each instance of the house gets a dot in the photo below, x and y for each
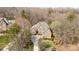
(4, 24)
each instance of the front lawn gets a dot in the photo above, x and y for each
(4, 40)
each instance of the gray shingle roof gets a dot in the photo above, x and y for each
(4, 20)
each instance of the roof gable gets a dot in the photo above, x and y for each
(4, 20)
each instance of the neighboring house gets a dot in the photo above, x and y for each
(4, 23)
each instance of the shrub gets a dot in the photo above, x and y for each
(50, 11)
(26, 33)
(28, 42)
(23, 14)
(13, 30)
(55, 24)
(49, 22)
(46, 44)
(71, 16)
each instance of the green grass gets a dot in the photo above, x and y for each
(8, 35)
(4, 40)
